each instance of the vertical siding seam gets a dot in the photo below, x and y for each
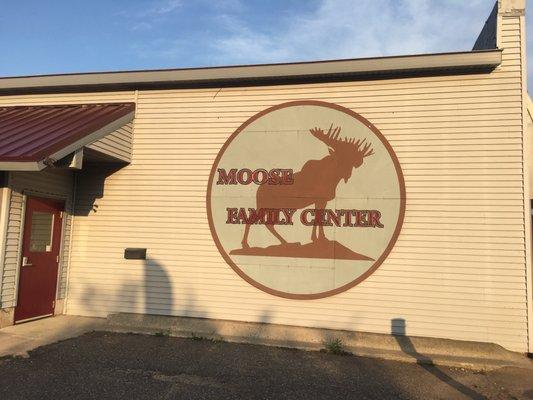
(66, 234)
(66, 255)
(136, 100)
(69, 263)
(61, 247)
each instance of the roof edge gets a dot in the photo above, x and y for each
(445, 63)
(34, 143)
(43, 162)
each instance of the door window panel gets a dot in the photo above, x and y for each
(42, 224)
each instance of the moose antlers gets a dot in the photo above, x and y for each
(331, 139)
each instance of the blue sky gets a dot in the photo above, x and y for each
(42, 37)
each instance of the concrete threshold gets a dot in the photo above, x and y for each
(421, 350)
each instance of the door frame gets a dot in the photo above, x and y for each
(50, 196)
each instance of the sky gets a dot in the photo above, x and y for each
(61, 36)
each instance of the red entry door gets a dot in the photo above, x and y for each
(40, 259)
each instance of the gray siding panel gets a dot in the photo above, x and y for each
(12, 250)
(3, 225)
(117, 144)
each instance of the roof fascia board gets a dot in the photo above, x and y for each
(20, 166)
(451, 62)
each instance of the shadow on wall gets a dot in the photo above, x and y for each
(160, 296)
(3, 179)
(399, 330)
(90, 186)
(154, 294)
(158, 291)
(151, 294)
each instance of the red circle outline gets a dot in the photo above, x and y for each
(374, 266)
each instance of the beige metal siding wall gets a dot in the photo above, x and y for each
(117, 144)
(457, 271)
(48, 183)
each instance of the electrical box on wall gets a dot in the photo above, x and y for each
(135, 254)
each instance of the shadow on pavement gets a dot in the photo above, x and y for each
(398, 329)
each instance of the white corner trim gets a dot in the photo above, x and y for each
(4, 216)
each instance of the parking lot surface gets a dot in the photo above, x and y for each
(103, 365)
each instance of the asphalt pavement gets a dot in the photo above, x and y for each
(103, 365)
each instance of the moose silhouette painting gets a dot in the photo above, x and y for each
(313, 186)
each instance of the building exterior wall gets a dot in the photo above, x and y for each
(47, 183)
(459, 267)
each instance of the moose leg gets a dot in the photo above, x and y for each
(245, 237)
(270, 227)
(321, 236)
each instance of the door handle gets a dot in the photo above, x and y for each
(25, 262)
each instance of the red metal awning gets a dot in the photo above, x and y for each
(39, 135)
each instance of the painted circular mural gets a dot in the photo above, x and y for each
(305, 200)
